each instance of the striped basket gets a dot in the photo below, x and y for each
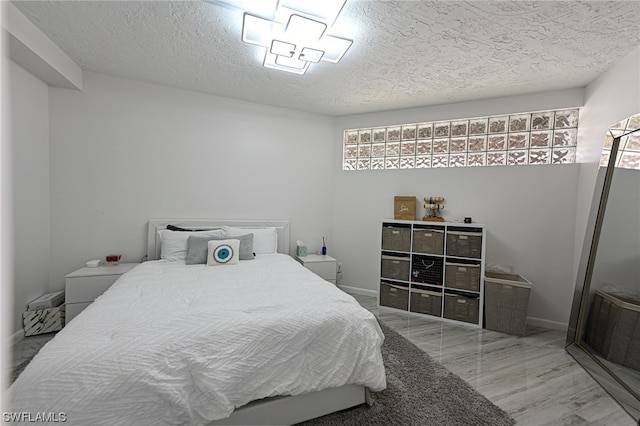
(43, 321)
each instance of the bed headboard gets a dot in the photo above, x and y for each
(156, 225)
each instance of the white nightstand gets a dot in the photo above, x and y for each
(86, 284)
(324, 266)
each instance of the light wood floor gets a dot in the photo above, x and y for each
(532, 378)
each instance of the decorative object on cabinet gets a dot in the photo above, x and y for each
(404, 207)
(301, 249)
(113, 259)
(433, 269)
(433, 205)
(86, 284)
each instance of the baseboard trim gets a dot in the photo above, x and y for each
(553, 325)
(358, 290)
(539, 322)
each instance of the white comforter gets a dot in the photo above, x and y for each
(170, 343)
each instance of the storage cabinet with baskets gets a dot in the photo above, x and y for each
(433, 268)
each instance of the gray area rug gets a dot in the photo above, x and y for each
(17, 370)
(419, 391)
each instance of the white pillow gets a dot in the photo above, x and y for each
(174, 243)
(223, 252)
(265, 240)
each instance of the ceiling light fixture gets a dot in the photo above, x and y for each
(297, 35)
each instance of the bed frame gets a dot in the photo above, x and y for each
(281, 410)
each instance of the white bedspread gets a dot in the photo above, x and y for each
(170, 343)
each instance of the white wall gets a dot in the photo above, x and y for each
(30, 200)
(6, 215)
(123, 152)
(612, 97)
(529, 211)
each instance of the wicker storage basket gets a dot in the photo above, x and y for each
(464, 244)
(461, 308)
(506, 302)
(395, 267)
(428, 241)
(427, 269)
(613, 328)
(396, 238)
(462, 276)
(394, 296)
(426, 302)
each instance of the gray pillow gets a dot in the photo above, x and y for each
(197, 248)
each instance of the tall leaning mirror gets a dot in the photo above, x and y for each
(604, 330)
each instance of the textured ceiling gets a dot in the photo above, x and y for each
(405, 53)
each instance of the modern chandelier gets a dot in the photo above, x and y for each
(296, 35)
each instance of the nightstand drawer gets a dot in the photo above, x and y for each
(83, 286)
(87, 289)
(73, 309)
(324, 266)
(326, 270)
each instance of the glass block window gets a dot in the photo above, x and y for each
(629, 149)
(544, 137)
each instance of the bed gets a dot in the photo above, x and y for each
(261, 341)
